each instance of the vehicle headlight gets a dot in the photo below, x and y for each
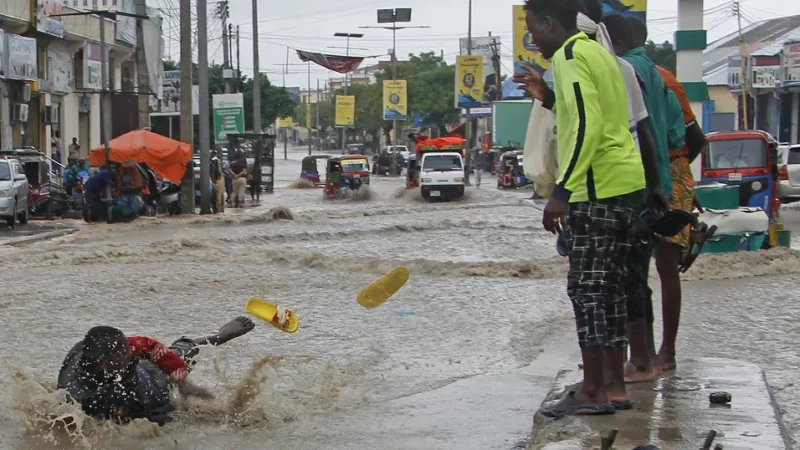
(756, 185)
(427, 180)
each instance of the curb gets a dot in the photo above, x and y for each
(39, 237)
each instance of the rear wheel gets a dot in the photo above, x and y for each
(12, 219)
(23, 217)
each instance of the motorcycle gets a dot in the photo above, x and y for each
(169, 197)
(76, 200)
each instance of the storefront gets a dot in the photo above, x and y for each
(22, 68)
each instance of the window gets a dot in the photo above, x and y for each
(737, 154)
(441, 163)
(5, 171)
(794, 155)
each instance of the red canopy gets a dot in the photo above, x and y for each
(167, 157)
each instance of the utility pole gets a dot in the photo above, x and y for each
(143, 78)
(319, 99)
(256, 73)
(239, 87)
(187, 124)
(496, 66)
(205, 113)
(745, 116)
(285, 130)
(468, 116)
(393, 16)
(223, 13)
(308, 109)
(348, 36)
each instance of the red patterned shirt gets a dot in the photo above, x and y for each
(160, 355)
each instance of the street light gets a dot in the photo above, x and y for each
(394, 16)
(348, 36)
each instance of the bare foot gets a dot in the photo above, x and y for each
(665, 361)
(231, 330)
(634, 375)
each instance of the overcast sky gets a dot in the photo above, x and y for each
(310, 25)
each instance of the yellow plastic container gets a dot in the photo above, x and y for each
(382, 289)
(277, 316)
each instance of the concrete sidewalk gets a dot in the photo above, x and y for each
(674, 412)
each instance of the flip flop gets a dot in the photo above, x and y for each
(667, 223)
(622, 405)
(561, 245)
(570, 406)
(696, 248)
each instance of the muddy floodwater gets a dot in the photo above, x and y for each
(459, 359)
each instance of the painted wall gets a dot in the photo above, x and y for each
(18, 9)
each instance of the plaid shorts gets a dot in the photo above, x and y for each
(599, 237)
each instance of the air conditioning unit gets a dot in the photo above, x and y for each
(50, 114)
(23, 93)
(19, 112)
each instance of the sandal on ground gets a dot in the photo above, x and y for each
(570, 406)
(695, 248)
(622, 405)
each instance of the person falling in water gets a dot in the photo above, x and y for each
(122, 378)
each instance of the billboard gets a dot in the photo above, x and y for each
(395, 100)
(22, 58)
(228, 111)
(126, 26)
(53, 26)
(526, 51)
(284, 122)
(483, 46)
(469, 81)
(345, 110)
(791, 64)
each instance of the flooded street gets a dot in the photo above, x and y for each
(459, 358)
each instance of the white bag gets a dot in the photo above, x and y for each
(734, 221)
(540, 153)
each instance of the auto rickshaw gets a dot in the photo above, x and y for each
(309, 169)
(748, 159)
(351, 172)
(511, 174)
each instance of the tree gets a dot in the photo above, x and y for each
(663, 55)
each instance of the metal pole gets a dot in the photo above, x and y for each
(468, 121)
(319, 99)
(104, 121)
(344, 136)
(187, 120)
(394, 77)
(239, 88)
(256, 74)
(743, 74)
(308, 111)
(226, 56)
(205, 114)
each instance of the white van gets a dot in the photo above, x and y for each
(441, 175)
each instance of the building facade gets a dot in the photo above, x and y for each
(50, 71)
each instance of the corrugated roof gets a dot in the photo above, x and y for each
(762, 38)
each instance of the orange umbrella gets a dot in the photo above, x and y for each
(167, 157)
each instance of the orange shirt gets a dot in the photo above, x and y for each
(671, 81)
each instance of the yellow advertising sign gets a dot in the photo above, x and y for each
(285, 122)
(395, 100)
(345, 110)
(525, 51)
(469, 81)
(308, 115)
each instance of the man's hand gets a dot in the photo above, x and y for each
(189, 389)
(656, 199)
(554, 219)
(532, 82)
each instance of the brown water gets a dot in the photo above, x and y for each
(459, 358)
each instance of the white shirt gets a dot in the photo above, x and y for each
(637, 111)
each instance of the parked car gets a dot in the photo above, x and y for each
(13, 192)
(402, 149)
(789, 173)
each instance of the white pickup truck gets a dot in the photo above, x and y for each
(441, 175)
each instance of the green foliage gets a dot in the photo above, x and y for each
(663, 55)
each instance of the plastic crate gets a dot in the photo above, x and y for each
(718, 197)
(784, 238)
(723, 243)
(753, 242)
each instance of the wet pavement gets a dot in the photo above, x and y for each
(459, 359)
(675, 412)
